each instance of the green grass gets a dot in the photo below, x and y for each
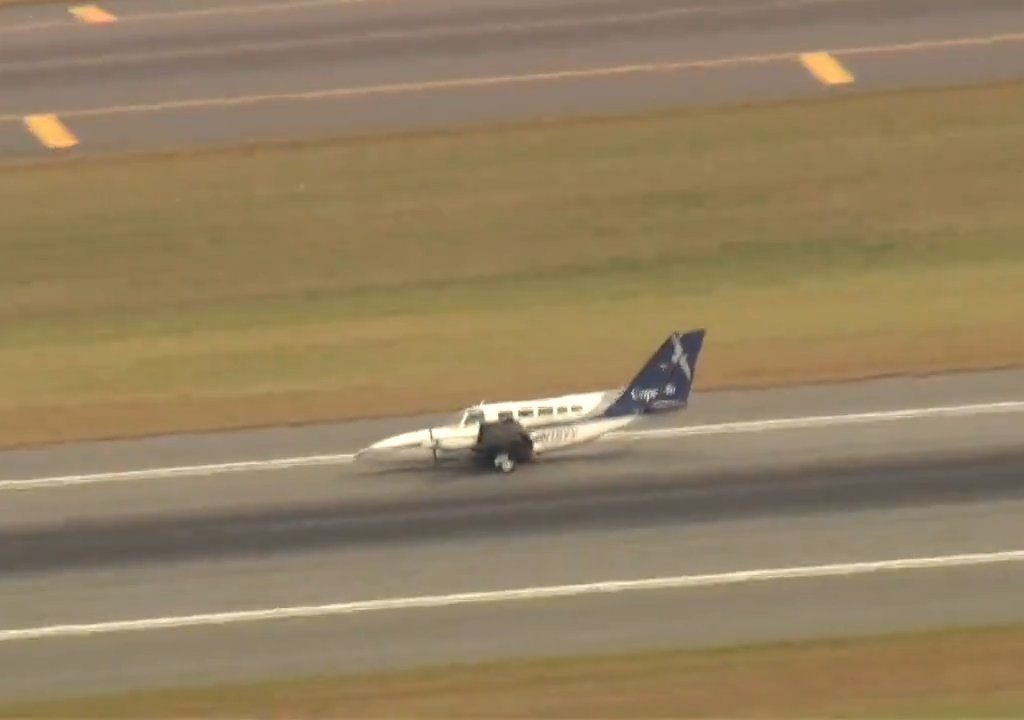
(940, 674)
(832, 239)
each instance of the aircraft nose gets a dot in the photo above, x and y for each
(413, 439)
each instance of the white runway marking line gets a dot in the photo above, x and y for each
(516, 595)
(182, 471)
(821, 421)
(797, 423)
(493, 81)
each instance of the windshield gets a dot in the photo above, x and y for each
(473, 417)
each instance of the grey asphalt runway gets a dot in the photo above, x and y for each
(918, 487)
(591, 466)
(201, 75)
(801, 609)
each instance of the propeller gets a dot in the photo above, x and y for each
(433, 444)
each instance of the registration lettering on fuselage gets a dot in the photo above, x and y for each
(556, 434)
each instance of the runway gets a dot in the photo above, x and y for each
(173, 547)
(208, 74)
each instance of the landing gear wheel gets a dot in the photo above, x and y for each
(503, 463)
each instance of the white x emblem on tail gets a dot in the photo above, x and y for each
(679, 357)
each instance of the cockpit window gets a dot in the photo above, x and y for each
(473, 417)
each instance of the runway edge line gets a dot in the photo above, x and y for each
(513, 595)
(747, 426)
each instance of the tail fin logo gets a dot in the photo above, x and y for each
(680, 358)
(645, 394)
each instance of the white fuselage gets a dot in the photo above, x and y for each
(541, 411)
(553, 423)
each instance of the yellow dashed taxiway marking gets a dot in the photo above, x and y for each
(826, 68)
(50, 131)
(91, 14)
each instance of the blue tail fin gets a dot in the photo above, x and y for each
(664, 382)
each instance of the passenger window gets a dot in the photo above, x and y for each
(562, 410)
(577, 408)
(546, 411)
(526, 413)
(505, 415)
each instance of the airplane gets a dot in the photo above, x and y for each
(504, 434)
